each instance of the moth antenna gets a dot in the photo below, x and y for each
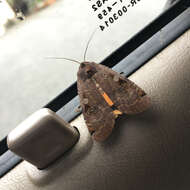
(88, 44)
(65, 59)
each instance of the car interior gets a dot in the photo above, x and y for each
(53, 149)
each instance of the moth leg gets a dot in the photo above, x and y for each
(78, 109)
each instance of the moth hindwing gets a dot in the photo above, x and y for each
(105, 94)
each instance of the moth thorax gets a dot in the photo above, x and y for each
(88, 69)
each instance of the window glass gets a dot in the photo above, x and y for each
(34, 31)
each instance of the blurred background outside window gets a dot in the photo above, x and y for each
(13, 10)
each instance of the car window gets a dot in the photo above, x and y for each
(34, 32)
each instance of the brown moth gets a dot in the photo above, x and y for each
(104, 94)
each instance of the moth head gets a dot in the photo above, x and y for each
(86, 70)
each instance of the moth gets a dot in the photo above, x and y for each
(104, 95)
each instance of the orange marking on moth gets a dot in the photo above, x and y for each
(107, 99)
(110, 103)
(117, 112)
